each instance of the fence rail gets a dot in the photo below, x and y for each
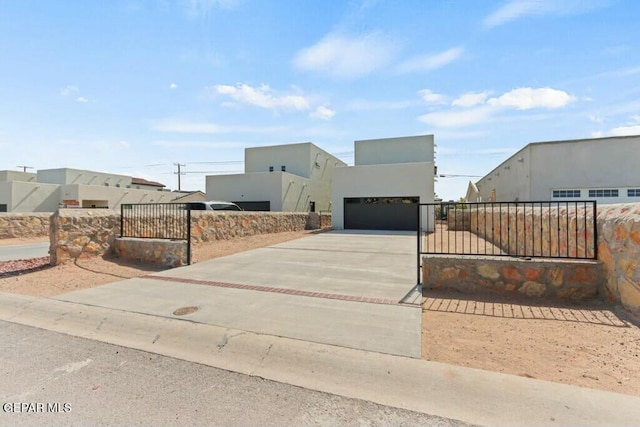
(157, 221)
(517, 229)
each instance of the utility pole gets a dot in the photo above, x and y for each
(24, 168)
(179, 173)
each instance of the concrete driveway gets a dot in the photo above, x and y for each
(352, 289)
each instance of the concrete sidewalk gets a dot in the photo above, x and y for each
(338, 288)
(465, 394)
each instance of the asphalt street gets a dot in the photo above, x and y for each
(87, 382)
(32, 250)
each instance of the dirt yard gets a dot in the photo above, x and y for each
(586, 345)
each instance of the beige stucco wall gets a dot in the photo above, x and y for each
(295, 157)
(84, 177)
(7, 175)
(394, 180)
(29, 196)
(249, 187)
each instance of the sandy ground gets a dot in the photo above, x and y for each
(47, 281)
(590, 345)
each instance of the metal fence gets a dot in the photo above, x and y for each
(564, 229)
(157, 221)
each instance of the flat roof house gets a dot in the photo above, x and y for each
(286, 178)
(49, 189)
(601, 169)
(389, 178)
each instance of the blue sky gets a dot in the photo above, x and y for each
(131, 87)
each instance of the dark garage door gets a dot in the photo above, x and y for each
(255, 206)
(381, 213)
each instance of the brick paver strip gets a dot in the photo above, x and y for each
(297, 292)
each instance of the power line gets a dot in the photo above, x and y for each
(24, 168)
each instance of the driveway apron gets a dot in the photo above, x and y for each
(345, 288)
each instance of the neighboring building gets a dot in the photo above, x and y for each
(192, 196)
(389, 177)
(602, 169)
(286, 178)
(49, 189)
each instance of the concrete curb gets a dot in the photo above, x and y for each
(465, 394)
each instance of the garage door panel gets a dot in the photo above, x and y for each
(367, 214)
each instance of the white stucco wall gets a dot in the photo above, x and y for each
(539, 168)
(390, 180)
(248, 187)
(409, 149)
(295, 157)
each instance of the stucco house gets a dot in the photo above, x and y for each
(601, 169)
(49, 189)
(389, 177)
(286, 178)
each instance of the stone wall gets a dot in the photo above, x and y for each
(207, 226)
(162, 252)
(540, 231)
(562, 279)
(619, 250)
(20, 225)
(91, 232)
(81, 233)
(618, 240)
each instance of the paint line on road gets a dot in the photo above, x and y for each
(296, 292)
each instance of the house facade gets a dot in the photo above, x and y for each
(50, 189)
(389, 178)
(286, 178)
(601, 169)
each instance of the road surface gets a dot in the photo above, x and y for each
(87, 382)
(32, 250)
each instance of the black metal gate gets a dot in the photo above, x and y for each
(561, 229)
(171, 221)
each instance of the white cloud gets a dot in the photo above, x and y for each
(173, 86)
(323, 113)
(526, 98)
(263, 97)
(515, 9)
(430, 62)
(457, 118)
(341, 56)
(625, 130)
(596, 118)
(470, 99)
(597, 134)
(82, 100)
(431, 97)
(123, 144)
(474, 107)
(68, 90)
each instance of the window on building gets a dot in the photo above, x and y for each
(633, 192)
(283, 168)
(3, 207)
(557, 194)
(604, 192)
(270, 168)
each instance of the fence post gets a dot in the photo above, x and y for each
(595, 230)
(188, 234)
(418, 231)
(121, 219)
